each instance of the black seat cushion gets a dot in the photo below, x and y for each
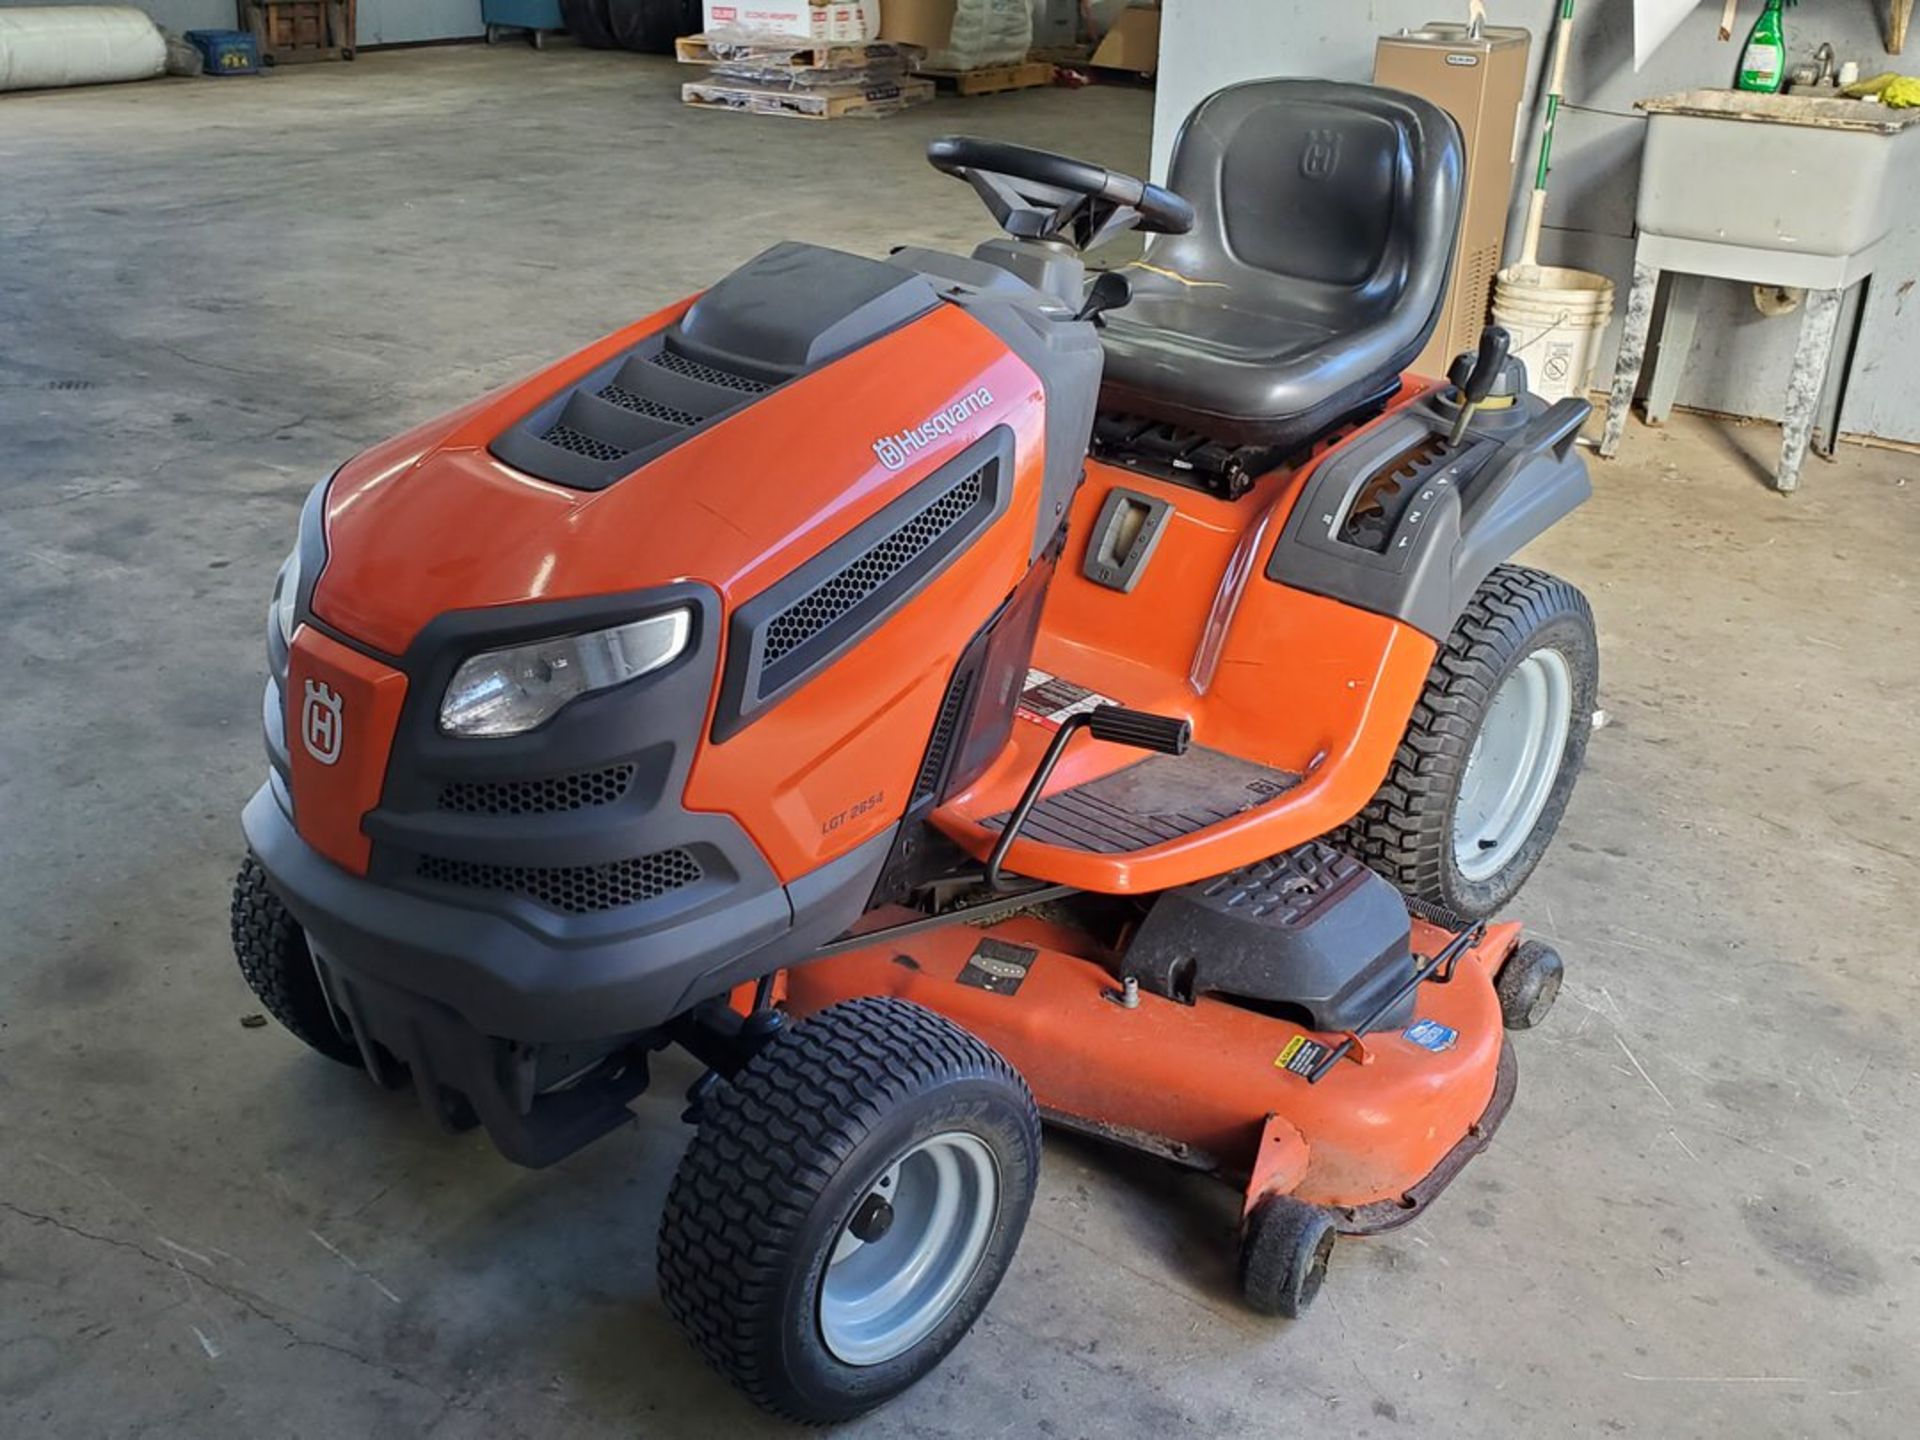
(1325, 222)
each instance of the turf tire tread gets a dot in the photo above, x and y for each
(770, 1141)
(1405, 830)
(272, 952)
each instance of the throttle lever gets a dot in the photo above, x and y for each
(1109, 291)
(1495, 342)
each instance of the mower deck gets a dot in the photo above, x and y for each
(1214, 1085)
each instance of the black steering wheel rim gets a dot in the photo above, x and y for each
(1160, 211)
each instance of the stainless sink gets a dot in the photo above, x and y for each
(1805, 173)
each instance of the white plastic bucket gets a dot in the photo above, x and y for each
(1556, 318)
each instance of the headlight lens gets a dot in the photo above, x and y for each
(286, 594)
(505, 692)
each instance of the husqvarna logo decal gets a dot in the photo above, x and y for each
(320, 727)
(895, 450)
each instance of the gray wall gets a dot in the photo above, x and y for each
(392, 22)
(1740, 358)
(381, 22)
(175, 15)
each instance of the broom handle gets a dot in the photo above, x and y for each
(1537, 205)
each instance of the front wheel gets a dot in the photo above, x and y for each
(851, 1202)
(271, 949)
(1483, 774)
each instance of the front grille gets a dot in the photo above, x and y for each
(538, 797)
(707, 374)
(840, 592)
(572, 889)
(578, 442)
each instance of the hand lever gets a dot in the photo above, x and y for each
(1109, 291)
(1162, 734)
(1494, 344)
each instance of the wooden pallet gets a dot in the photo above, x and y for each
(793, 55)
(803, 104)
(992, 79)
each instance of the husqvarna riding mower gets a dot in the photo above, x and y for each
(943, 694)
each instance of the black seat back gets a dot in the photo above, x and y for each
(1326, 215)
(1349, 193)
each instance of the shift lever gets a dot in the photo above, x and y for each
(1478, 380)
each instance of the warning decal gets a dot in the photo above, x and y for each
(1049, 700)
(1301, 1055)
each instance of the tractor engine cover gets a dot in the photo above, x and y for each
(1311, 929)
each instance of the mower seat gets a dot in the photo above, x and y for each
(1325, 222)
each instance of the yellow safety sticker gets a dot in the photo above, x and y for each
(1300, 1055)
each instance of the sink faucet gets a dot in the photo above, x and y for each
(1824, 58)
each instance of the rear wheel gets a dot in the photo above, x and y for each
(852, 1199)
(272, 951)
(1483, 774)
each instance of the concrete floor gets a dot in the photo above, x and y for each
(1697, 1221)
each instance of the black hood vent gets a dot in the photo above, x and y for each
(675, 363)
(624, 413)
(788, 311)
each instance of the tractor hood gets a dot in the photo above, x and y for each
(722, 442)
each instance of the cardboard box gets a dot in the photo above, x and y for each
(835, 21)
(792, 54)
(926, 23)
(1133, 43)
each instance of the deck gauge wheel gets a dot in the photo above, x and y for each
(1528, 983)
(1284, 1255)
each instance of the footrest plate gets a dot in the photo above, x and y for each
(1161, 798)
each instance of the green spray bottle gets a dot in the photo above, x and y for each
(1763, 63)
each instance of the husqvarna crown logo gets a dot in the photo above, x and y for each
(1321, 157)
(320, 727)
(895, 450)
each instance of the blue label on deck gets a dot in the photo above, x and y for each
(1431, 1035)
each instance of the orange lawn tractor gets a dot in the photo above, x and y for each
(946, 693)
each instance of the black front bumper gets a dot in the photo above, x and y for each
(506, 1010)
(513, 974)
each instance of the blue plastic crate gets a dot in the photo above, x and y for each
(226, 52)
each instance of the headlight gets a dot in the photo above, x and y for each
(286, 594)
(505, 692)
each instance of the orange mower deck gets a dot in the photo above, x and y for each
(1209, 1085)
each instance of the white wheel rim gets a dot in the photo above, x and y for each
(1515, 759)
(882, 1296)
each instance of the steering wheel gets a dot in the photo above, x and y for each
(1037, 195)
